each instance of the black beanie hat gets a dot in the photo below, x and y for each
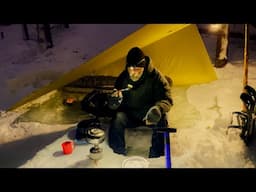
(136, 58)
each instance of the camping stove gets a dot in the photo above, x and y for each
(95, 136)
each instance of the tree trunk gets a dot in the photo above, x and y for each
(25, 31)
(48, 36)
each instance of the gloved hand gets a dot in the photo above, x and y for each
(153, 116)
(115, 99)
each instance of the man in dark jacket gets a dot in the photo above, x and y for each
(142, 96)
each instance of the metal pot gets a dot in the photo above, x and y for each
(95, 135)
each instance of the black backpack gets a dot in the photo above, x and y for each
(96, 103)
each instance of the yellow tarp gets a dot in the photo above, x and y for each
(177, 50)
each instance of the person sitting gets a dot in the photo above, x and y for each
(142, 96)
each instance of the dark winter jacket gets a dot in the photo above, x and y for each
(151, 89)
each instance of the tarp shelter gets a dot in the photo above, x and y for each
(177, 50)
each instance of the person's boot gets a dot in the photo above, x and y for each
(120, 151)
(153, 153)
(219, 63)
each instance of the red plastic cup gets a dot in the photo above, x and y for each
(67, 147)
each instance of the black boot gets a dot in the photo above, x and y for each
(219, 63)
(120, 151)
(157, 148)
(153, 153)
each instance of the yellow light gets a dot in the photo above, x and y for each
(215, 27)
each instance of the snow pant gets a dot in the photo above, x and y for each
(122, 121)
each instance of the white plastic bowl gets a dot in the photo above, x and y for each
(135, 162)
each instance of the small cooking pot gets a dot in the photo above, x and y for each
(95, 135)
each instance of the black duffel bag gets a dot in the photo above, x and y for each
(96, 103)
